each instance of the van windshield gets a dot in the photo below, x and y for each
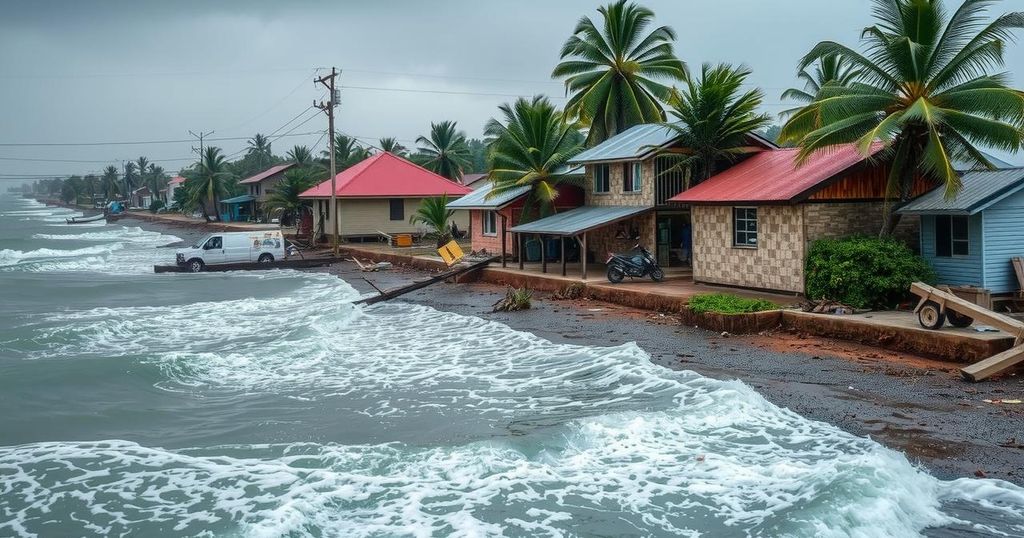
(199, 243)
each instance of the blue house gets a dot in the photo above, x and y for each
(971, 239)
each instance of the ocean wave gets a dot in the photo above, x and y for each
(123, 234)
(9, 257)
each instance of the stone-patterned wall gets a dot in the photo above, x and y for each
(615, 196)
(602, 241)
(838, 220)
(776, 264)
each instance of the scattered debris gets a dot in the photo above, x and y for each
(572, 291)
(725, 334)
(999, 401)
(370, 267)
(980, 474)
(826, 307)
(985, 329)
(515, 299)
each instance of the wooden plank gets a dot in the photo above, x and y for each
(1018, 267)
(967, 308)
(420, 284)
(994, 364)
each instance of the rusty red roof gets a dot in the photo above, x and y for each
(273, 170)
(774, 176)
(176, 180)
(386, 176)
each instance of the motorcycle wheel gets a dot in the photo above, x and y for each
(657, 274)
(615, 274)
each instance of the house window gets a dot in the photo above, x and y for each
(631, 176)
(952, 236)
(602, 181)
(490, 224)
(744, 225)
(397, 208)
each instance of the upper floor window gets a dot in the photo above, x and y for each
(744, 226)
(602, 178)
(632, 173)
(952, 236)
(490, 224)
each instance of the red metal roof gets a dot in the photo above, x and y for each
(386, 176)
(273, 170)
(177, 180)
(774, 176)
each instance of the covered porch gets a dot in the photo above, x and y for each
(563, 240)
(238, 209)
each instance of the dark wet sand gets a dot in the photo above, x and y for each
(909, 403)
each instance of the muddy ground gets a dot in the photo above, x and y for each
(909, 403)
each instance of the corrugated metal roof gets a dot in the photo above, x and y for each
(632, 143)
(773, 176)
(579, 220)
(273, 170)
(964, 166)
(478, 198)
(239, 199)
(981, 189)
(387, 176)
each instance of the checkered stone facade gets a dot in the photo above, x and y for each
(777, 263)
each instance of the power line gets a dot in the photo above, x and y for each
(84, 160)
(448, 92)
(133, 142)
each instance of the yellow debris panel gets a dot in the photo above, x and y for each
(451, 253)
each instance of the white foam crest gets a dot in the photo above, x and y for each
(123, 234)
(9, 257)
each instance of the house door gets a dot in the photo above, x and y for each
(671, 228)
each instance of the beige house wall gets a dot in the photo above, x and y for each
(615, 196)
(604, 240)
(777, 263)
(838, 220)
(367, 216)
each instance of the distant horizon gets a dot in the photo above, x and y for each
(119, 71)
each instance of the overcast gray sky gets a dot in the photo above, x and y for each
(81, 71)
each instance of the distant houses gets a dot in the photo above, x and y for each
(379, 195)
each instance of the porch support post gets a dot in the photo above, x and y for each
(583, 257)
(504, 239)
(543, 255)
(561, 240)
(521, 252)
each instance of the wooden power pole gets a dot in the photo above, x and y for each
(328, 107)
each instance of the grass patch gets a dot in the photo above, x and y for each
(722, 303)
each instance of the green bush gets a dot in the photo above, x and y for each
(864, 272)
(722, 303)
(156, 205)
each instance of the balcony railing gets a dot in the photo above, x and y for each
(668, 182)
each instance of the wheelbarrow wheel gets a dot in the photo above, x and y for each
(931, 316)
(957, 319)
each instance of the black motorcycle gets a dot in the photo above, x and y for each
(638, 264)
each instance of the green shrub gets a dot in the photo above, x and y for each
(722, 303)
(864, 272)
(156, 205)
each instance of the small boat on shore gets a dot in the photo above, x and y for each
(82, 220)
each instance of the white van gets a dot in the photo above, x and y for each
(232, 247)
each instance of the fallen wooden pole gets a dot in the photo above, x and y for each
(402, 290)
(994, 364)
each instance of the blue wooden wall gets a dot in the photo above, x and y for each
(958, 270)
(1004, 239)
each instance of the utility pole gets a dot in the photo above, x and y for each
(328, 82)
(200, 135)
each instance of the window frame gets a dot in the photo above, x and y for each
(746, 231)
(950, 250)
(602, 174)
(392, 206)
(489, 220)
(632, 177)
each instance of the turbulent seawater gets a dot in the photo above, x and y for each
(266, 404)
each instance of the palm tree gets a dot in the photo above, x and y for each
(531, 148)
(713, 117)
(392, 146)
(347, 152)
(284, 197)
(830, 69)
(301, 156)
(925, 91)
(445, 152)
(259, 148)
(142, 165)
(611, 70)
(131, 179)
(110, 184)
(212, 182)
(156, 180)
(434, 212)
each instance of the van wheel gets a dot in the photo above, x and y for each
(266, 258)
(196, 265)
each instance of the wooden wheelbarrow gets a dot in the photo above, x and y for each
(937, 306)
